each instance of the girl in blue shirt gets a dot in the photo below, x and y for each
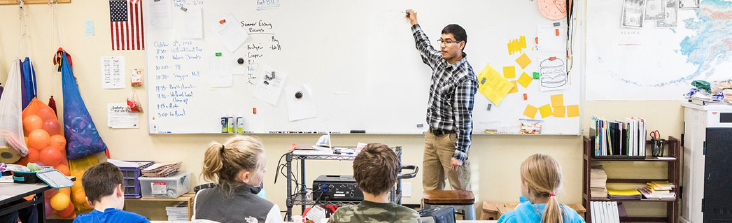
(540, 178)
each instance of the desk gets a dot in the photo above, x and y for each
(300, 197)
(10, 192)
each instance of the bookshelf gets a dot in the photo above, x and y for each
(673, 149)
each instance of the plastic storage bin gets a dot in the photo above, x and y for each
(166, 187)
(130, 175)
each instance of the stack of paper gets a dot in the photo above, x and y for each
(161, 169)
(598, 181)
(629, 194)
(658, 190)
(178, 211)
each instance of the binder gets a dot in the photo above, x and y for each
(615, 213)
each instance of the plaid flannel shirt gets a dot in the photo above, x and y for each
(452, 94)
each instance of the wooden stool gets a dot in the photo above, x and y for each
(459, 199)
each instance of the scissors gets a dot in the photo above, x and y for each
(655, 135)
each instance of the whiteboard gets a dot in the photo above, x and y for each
(357, 60)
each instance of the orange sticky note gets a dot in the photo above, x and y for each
(509, 72)
(515, 87)
(572, 111)
(523, 61)
(559, 111)
(530, 111)
(557, 100)
(545, 110)
(525, 80)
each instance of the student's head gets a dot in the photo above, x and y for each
(453, 41)
(541, 177)
(376, 168)
(101, 181)
(240, 160)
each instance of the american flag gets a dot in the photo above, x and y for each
(126, 25)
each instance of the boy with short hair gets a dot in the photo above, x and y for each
(375, 170)
(103, 186)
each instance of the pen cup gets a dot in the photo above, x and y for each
(657, 147)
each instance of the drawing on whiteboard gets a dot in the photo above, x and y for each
(554, 74)
(267, 4)
(632, 16)
(269, 88)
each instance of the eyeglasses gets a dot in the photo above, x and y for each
(446, 41)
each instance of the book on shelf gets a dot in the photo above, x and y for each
(598, 181)
(664, 195)
(619, 138)
(606, 212)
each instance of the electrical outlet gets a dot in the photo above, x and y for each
(406, 189)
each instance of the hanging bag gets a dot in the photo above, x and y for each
(82, 137)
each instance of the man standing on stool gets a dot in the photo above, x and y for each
(449, 116)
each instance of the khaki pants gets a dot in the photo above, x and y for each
(438, 151)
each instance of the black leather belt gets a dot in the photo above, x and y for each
(440, 132)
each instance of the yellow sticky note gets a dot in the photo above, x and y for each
(523, 61)
(545, 110)
(559, 111)
(525, 80)
(509, 72)
(492, 85)
(516, 45)
(514, 89)
(530, 111)
(573, 111)
(557, 100)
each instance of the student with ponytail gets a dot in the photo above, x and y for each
(238, 167)
(541, 177)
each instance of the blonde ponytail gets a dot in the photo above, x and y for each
(543, 176)
(553, 212)
(222, 163)
(212, 162)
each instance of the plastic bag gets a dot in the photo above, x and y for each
(82, 136)
(78, 167)
(47, 147)
(11, 124)
(133, 103)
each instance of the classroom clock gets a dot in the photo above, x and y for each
(553, 9)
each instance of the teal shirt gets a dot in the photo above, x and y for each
(525, 213)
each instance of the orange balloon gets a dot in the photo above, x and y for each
(60, 201)
(63, 168)
(79, 197)
(33, 155)
(52, 127)
(51, 156)
(47, 113)
(32, 122)
(58, 141)
(38, 139)
(66, 213)
(26, 140)
(65, 190)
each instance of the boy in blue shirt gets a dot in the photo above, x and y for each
(103, 186)
(540, 178)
